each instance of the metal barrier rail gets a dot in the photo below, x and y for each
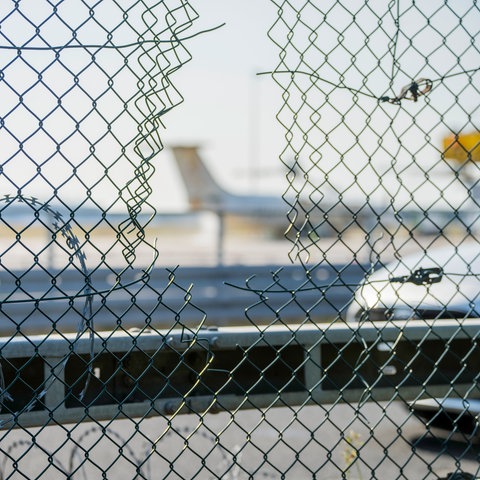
(140, 375)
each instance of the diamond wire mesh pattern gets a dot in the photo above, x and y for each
(84, 88)
(379, 101)
(369, 91)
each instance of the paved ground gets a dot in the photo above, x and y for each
(283, 443)
(201, 246)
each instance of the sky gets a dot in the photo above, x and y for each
(231, 112)
(228, 109)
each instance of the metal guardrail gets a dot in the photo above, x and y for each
(140, 375)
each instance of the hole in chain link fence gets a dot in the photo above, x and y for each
(356, 357)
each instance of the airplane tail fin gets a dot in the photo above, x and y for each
(203, 191)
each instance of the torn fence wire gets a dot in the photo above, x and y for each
(53, 221)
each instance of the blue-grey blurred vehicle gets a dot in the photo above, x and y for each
(439, 283)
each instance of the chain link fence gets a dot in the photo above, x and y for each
(358, 360)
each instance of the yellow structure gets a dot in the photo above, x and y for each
(462, 147)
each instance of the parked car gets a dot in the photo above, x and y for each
(436, 284)
(440, 283)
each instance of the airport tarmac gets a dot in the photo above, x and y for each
(185, 246)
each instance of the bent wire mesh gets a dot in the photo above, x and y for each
(355, 356)
(84, 89)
